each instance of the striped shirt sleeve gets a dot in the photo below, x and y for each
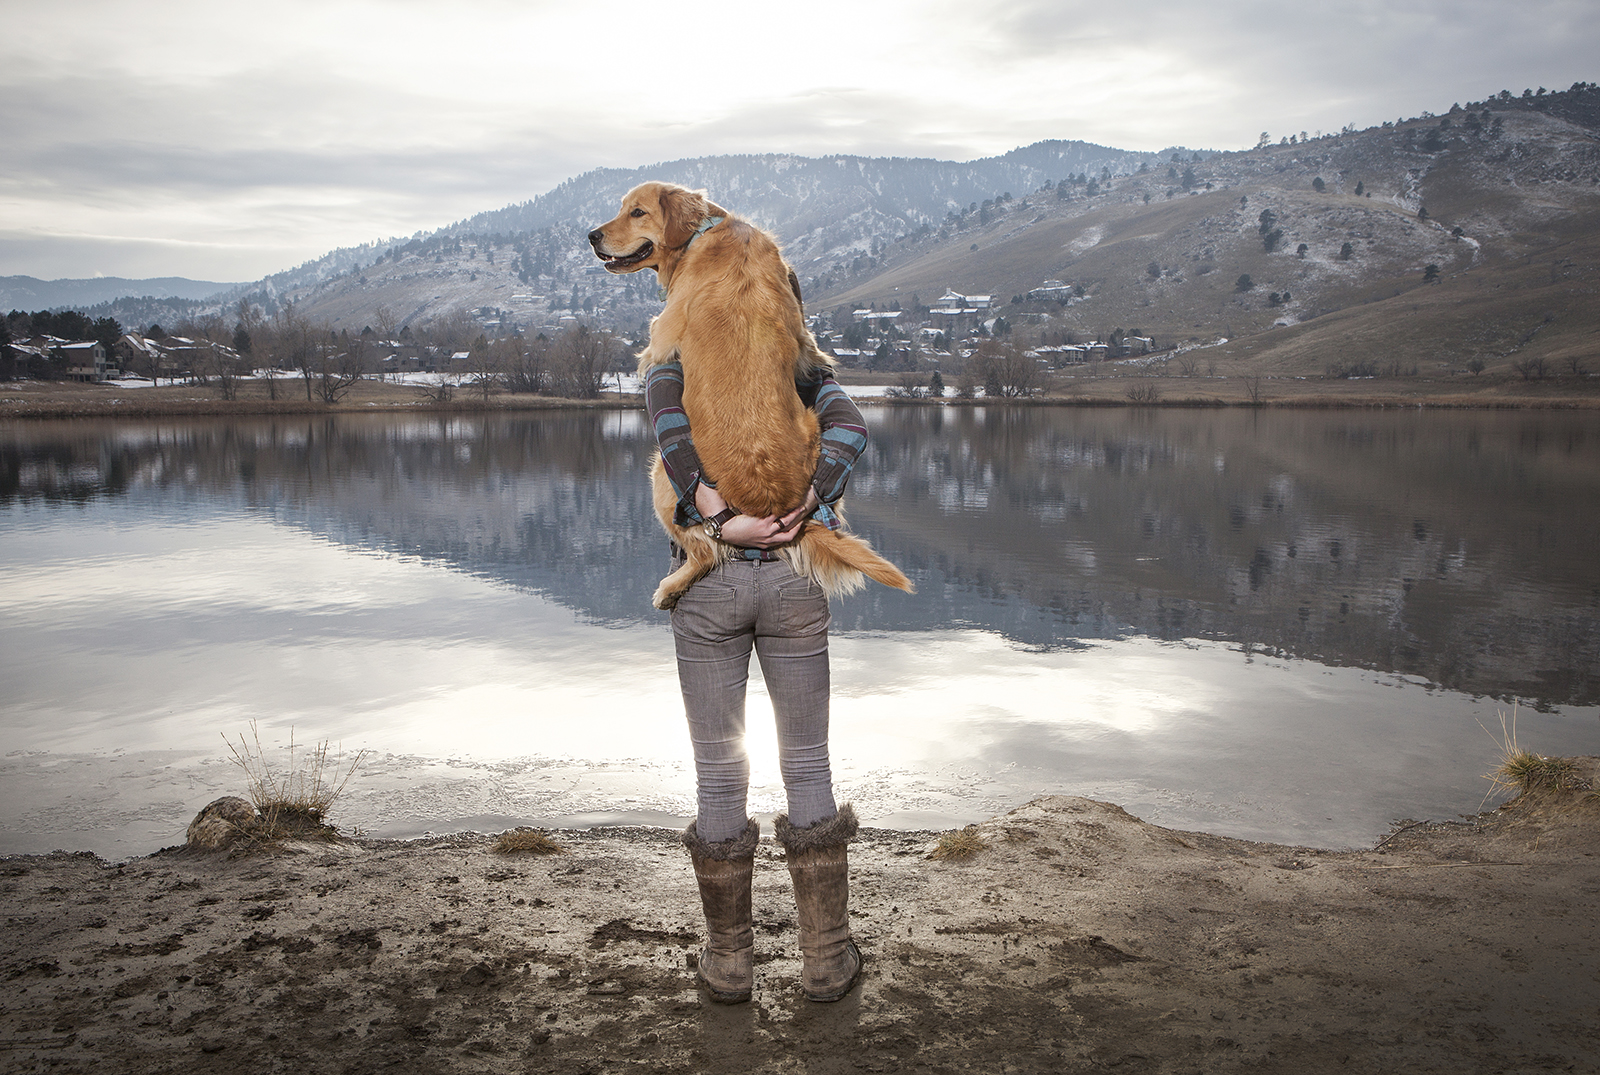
(844, 434)
(663, 398)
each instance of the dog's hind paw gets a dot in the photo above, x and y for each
(665, 599)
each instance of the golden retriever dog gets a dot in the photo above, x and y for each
(734, 321)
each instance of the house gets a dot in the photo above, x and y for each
(1052, 290)
(397, 363)
(27, 353)
(51, 356)
(86, 361)
(182, 357)
(955, 301)
(134, 349)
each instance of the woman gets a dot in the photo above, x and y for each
(755, 600)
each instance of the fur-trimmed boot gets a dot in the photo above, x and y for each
(727, 962)
(819, 866)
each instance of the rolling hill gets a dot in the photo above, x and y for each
(1439, 243)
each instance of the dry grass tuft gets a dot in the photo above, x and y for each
(292, 803)
(523, 839)
(1522, 771)
(1526, 771)
(958, 844)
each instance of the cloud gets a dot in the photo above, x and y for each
(1265, 63)
(315, 124)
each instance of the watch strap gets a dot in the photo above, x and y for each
(715, 524)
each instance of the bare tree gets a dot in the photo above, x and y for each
(214, 358)
(484, 363)
(527, 365)
(271, 346)
(579, 359)
(1252, 389)
(1004, 371)
(338, 363)
(440, 391)
(385, 318)
(227, 367)
(1532, 369)
(293, 345)
(910, 386)
(452, 332)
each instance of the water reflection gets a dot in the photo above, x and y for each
(1224, 620)
(1458, 547)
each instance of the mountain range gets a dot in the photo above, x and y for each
(1465, 237)
(28, 293)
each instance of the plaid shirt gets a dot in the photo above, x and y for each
(844, 435)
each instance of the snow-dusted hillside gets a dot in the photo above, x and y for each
(1160, 243)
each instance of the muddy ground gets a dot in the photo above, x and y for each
(1079, 939)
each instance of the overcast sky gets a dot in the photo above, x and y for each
(225, 141)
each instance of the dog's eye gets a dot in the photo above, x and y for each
(637, 212)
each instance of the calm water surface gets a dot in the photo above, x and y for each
(1287, 626)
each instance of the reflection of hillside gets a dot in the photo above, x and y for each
(1456, 547)
(557, 503)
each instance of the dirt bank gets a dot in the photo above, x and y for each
(1079, 939)
(62, 399)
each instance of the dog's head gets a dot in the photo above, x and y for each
(656, 222)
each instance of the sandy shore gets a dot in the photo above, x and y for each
(1078, 939)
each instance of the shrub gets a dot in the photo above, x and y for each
(292, 802)
(524, 839)
(958, 844)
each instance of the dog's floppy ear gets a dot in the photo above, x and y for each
(681, 213)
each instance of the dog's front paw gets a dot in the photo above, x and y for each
(665, 599)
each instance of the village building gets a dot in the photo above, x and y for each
(86, 361)
(1051, 290)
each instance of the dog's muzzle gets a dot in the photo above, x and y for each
(620, 262)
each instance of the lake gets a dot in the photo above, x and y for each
(1295, 626)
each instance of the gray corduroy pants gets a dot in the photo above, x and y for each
(761, 605)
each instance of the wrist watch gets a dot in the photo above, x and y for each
(715, 524)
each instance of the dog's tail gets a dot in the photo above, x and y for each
(838, 561)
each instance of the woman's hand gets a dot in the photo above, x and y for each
(799, 515)
(750, 532)
(755, 532)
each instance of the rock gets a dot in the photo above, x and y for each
(220, 823)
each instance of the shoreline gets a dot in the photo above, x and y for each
(61, 400)
(1079, 938)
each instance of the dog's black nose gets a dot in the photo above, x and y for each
(595, 237)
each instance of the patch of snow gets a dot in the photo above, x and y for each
(1090, 237)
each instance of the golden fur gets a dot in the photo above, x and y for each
(734, 321)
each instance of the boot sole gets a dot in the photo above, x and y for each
(829, 998)
(723, 996)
